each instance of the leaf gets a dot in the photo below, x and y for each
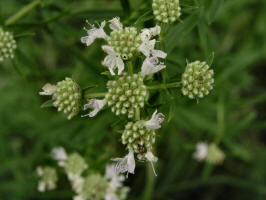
(210, 59)
(89, 87)
(179, 31)
(145, 17)
(126, 7)
(215, 7)
(47, 104)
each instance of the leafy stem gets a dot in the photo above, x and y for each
(94, 95)
(164, 86)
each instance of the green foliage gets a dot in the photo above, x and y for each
(232, 116)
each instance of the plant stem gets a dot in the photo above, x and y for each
(137, 114)
(149, 186)
(23, 11)
(130, 67)
(164, 86)
(94, 95)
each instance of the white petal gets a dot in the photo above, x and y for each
(131, 162)
(58, 153)
(115, 24)
(126, 164)
(151, 158)
(48, 89)
(151, 66)
(155, 30)
(94, 104)
(41, 186)
(110, 196)
(158, 54)
(201, 151)
(155, 121)
(147, 47)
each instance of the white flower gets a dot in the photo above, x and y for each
(126, 164)
(113, 60)
(78, 197)
(41, 186)
(115, 24)
(151, 158)
(59, 153)
(39, 171)
(94, 33)
(77, 183)
(201, 151)
(115, 179)
(110, 196)
(94, 104)
(147, 46)
(148, 33)
(48, 89)
(151, 66)
(155, 121)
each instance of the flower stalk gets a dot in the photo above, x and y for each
(164, 86)
(94, 95)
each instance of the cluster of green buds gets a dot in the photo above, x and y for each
(126, 94)
(48, 178)
(166, 11)
(93, 186)
(209, 153)
(197, 80)
(7, 45)
(66, 96)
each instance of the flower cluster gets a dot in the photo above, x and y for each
(7, 45)
(48, 178)
(209, 153)
(166, 11)
(93, 186)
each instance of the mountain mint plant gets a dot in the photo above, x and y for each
(133, 57)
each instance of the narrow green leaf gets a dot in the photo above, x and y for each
(210, 59)
(215, 7)
(47, 104)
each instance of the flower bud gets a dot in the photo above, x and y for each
(197, 80)
(166, 11)
(7, 45)
(139, 138)
(125, 41)
(67, 97)
(126, 94)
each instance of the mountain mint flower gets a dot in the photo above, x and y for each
(151, 66)
(94, 104)
(59, 153)
(210, 153)
(151, 158)
(126, 164)
(126, 94)
(197, 80)
(148, 33)
(75, 165)
(48, 178)
(7, 45)
(113, 60)
(155, 121)
(166, 11)
(94, 33)
(66, 96)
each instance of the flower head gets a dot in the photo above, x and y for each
(94, 104)
(7, 45)
(126, 164)
(48, 89)
(155, 121)
(48, 178)
(113, 60)
(94, 33)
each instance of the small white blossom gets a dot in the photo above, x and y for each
(147, 46)
(151, 66)
(155, 121)
(126, 164)
(113, 60)
(110, 196)
(115, 24)
(48, 89)
(59, 153)
(201, 151)
(148, 33)
(94, 33)
(94, 104)
(115, 179)
(151, 158)
(76, 182)
(41, 186)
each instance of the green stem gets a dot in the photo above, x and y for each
(137, 114)
(149, 186)
(130, 67)
(164, 86)
(22, 12)
(94, 95)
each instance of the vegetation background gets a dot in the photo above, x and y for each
(233, 115)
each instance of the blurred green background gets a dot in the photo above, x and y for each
(233, 115)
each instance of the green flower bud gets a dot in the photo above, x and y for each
(67, 97)
(75, 165)
(166, 11)
(125, 41)
(215, 155)
(139, 138)
(95, 187)
(48, 178)
(197, 80)
(126, 94)
(7, 45)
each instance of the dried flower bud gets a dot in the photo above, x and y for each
(126, 94)
(7, 45)
(166, 11)
(197, 80)
(67, 97)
